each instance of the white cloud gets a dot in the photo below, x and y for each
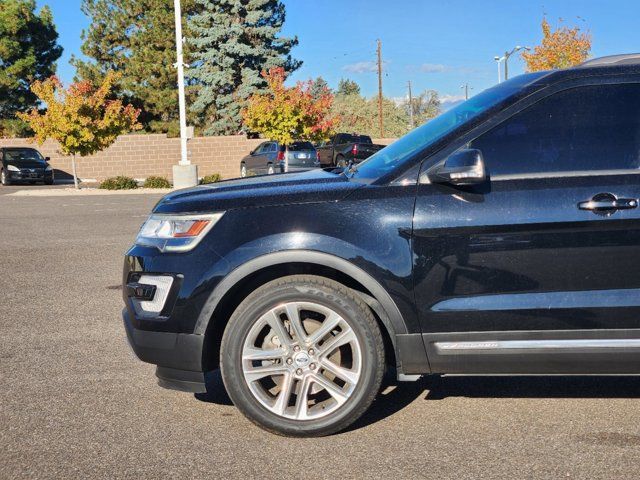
(433, 68)
(361, 67)
(449, 101)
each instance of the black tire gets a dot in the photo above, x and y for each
(48, 182)
(341, 162)
(4, 179)
(330, 294)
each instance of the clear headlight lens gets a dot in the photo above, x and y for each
(13, 168)
(176, 233)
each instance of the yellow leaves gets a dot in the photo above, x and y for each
(82, 119)
(560, 48)
(285, 114)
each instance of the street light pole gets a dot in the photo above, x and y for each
(517, 48)
(498, 60)
(184, 156)
(184, 174)
(466, 89)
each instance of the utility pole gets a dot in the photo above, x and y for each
(380, 88)
(410, 105)
(184, 174)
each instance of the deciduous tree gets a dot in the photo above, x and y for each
(233, 41)
(286, 114)
(83, 119)
(563, 47)
(28, 52)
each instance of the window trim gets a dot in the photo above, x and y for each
(430, 164)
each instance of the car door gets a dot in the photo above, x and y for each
(326, 152)
(254, 161)
(271, 155)
(536, 270)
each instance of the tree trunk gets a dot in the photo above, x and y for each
(75, 176)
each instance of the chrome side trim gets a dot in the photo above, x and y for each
(502, 345)
(628, 297)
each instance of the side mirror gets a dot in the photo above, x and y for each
(47, 159)
(464, 167)
(252, 152)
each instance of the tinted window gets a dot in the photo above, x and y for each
(21, 154)
(260, 148)
(404, 149)
(346, 138)
(298, 146)
(582, 129)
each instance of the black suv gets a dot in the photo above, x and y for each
(18, 164)
(502, 237)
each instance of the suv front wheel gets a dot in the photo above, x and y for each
(302, 356)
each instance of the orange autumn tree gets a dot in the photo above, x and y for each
(560, 48)
(286, 114)
(83, 119)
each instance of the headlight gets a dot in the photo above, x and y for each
(13, 168)
(48, 169)
(176, 233)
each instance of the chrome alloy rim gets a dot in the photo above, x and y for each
(301, 360)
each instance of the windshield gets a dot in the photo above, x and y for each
(403, 149)
(22, 155)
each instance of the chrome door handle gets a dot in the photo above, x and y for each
(607, 202)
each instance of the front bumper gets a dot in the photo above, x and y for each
(178, 356)
(25, 176)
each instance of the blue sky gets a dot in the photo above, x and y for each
(436, 44)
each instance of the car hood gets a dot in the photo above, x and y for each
(313, 186)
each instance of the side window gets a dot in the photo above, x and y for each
(587, 128)
(259, 149)
(273, 147)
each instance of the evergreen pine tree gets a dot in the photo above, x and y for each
(135, 38)
(319, 87)
(28, 52)
(233, 42)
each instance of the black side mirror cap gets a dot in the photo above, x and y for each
(47, 159)
(464, 167)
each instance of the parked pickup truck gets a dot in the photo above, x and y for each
(344, 148)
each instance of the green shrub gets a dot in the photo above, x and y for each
(213, 178)
(156, 182)
(119, 183)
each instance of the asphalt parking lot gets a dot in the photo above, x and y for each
(75, 403)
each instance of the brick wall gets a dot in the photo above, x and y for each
(140, 156)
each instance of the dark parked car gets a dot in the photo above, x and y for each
(346, 148)
(272, 157)
(24, 165)
(502, 237)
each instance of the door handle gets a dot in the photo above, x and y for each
(608, 203)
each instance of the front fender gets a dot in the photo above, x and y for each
(393, 321)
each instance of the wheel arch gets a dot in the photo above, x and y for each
(230, 292)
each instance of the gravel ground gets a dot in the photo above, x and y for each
(75, 403)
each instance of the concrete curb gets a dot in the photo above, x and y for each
(69, 192)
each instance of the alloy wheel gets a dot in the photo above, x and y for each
(301, 360)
